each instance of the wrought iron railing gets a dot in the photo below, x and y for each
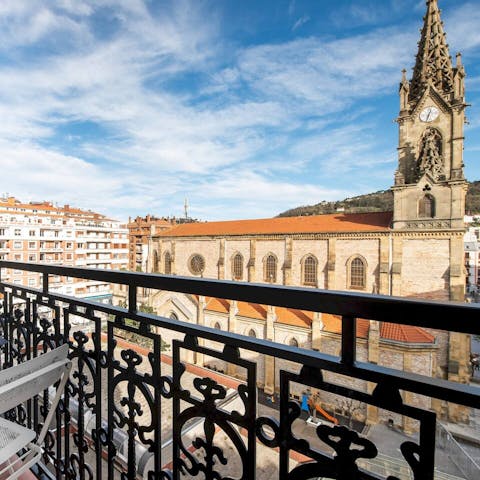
(104, 431)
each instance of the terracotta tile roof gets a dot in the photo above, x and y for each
(388, 331)
(297, 318)
(405, 333)
(332, 323)
(43, 208)
(287, 316)
(342, 222)
(217, 305)
(252, 310)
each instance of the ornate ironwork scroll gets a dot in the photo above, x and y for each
(84, 394)
(134, 400)
(201, 457)
(347, 444)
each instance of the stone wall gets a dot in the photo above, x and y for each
(425, 268)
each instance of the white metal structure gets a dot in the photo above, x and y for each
(18, 384)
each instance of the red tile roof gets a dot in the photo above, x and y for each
(332, 323)
(342, 222)
(405, 333)
(252, 310)
(217, 304)
(388, 331)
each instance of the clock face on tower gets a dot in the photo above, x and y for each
(429, 114)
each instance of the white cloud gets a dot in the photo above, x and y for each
(236, 188)
(328, 74)
(462, 29)
(24, 23)
(34, 172)
(255, 118)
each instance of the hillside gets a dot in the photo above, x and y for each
(380, 201)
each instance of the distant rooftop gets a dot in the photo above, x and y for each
(43, 207)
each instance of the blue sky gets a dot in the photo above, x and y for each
(245, 107)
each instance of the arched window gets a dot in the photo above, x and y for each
(310, 270)
(293, 342)
(357, 273)
(155, 261)
(237, 267)
(426, 206)
(271, 269)
(252, 333)
(168, 264)
(174, 316)
(217, 326)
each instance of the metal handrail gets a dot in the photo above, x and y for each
(422, 313)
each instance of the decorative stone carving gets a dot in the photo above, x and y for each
(431, 159)
(457, 174)
(429, 225)
(433, 64)
(399, 178)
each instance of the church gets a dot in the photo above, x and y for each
(415, 251)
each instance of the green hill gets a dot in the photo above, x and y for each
(380, 201)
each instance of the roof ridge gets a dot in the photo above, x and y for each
(337, 222)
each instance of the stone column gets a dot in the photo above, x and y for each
(384, 276)
(458, 371)
(458, 343)
(173, 262)
(270, 361)
(161, 265)
(287, 265)
(396, 273)
(251, 261)
(221, 260)
(317, 327)
(457, 270)
(331, 264)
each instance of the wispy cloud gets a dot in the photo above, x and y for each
(463, 32)
(301, 21)
(127, 106)
(291, 7)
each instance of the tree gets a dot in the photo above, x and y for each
(349, 407)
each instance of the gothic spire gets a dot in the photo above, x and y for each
(433, 63)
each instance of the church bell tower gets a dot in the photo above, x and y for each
(430, 187)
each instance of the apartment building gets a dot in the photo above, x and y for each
(140, 231)
(45, 233)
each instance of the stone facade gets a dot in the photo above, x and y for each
(227, 316)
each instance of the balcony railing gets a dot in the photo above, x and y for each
(104, 430)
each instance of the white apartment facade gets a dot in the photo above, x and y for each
(40, 232)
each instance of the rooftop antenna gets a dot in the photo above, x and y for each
(185, 207)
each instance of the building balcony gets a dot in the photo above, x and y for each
(51, 249)
(146, 398)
